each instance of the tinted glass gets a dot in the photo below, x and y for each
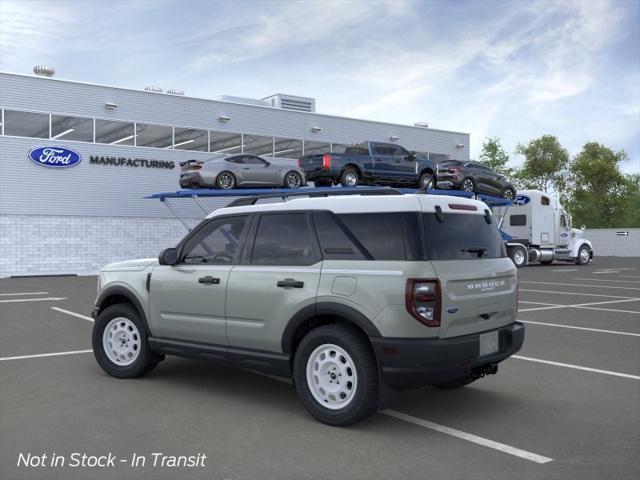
(191, 139)
(316, 148)
(157, 136)
(26, 124)
(462, 237)
(356, 151)
(115, 133)
(287, 148)
(224, 142)
(544, 200)
(71, 128)
(238, 159)
(379, 233)
(517, 220)
(250, 159)
(283, 239)
(258, 145)
(450, 163)
(216, 243)
(334, 240)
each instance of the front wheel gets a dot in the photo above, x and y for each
(336, 375)
(518, 256)
(508, 194)
(349, 178)
(468, 185)
(584, 255)
(293, 179)
(426, 181)
(120, 343)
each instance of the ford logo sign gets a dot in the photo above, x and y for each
(55, 157)
(452, 309)
(521, 200)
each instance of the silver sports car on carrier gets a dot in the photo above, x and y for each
(243, 170)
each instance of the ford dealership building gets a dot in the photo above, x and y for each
(77, 160)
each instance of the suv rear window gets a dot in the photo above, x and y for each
(462, 236)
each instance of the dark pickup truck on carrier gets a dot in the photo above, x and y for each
(370, 163)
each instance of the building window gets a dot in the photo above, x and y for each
(71, 128)
(157, 136)
(115, 133)
(191, 139)
(316, 148)
(258, 145)
(225, 143)
(26, 124)
(287, 148)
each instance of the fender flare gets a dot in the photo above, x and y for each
(124, 292)
(326, 308)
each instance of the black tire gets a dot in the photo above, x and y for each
(509, 194)
(468, 185)
(146, 359)
(518, 260)
(546, 262)
(289, 181)
(365, 401)
(579, 258)
(349, 177)
(225, 180)
(322, 182)
(453, 384)
(426, 181)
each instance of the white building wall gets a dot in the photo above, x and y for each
(613, 242)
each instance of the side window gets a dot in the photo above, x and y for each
(563, 221)
(216, 243)
(238, 159)
(544, 201)
(335, 241)
(381, 234)
(398, 151)
(382, 150)
(518, 220)
(250, 159)
(283, 239)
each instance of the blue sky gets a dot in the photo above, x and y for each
(515, 70)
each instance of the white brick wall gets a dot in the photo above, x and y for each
(607, 242)
(44, 245)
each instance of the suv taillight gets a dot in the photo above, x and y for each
(299, 162)
(422, 299)
(455, 170)
(326, 161)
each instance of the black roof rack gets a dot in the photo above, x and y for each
(329, 192)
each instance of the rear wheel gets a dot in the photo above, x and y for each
(426, 181)
(336, 375)
(349, 178)
(460, 382)
(584, 255)
(468, 185)
(120, 343)
(518, 256)
(226, 180)
(293, 179)
(508, 194)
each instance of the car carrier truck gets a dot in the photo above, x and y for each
(538, 229)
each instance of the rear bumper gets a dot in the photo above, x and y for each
(412, 363)
(188, 180)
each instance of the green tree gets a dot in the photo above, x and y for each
(599, 194)
(630, 216)
(495, 157)
(545, 164)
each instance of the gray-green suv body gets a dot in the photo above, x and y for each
(347, 295)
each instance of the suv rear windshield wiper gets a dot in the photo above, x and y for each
(479, 250)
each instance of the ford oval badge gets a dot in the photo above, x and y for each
(55, 157)
(452, 309)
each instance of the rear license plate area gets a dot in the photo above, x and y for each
(489, 343)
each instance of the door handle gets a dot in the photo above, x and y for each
(209, 280)
(290, 282)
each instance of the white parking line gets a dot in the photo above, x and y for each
(73, 314)
(533, 457)
(606, 271)
(615, 332)
(629, 276)
(576, 293)
(23, 293)
(607, 280)
(578, 367)
(580, 285)
(581, 305)
(47, 299)
(566, 270)
(541, 303)
(610, 310)
(40, 355)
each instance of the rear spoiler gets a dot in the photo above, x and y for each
(190, 162)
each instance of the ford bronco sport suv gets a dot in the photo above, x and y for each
(351, 296)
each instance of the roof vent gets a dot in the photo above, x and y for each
(292, 102)
(153, 88)
(44, 71)
(175, 91)
(421, 124)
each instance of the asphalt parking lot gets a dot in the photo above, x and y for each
(568, 406)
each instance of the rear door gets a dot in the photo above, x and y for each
(187, 300)
(478, 282)
(279, 276)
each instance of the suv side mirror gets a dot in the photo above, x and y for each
(411, 156)
(169, 256)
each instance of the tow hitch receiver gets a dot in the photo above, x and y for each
(489, 369)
